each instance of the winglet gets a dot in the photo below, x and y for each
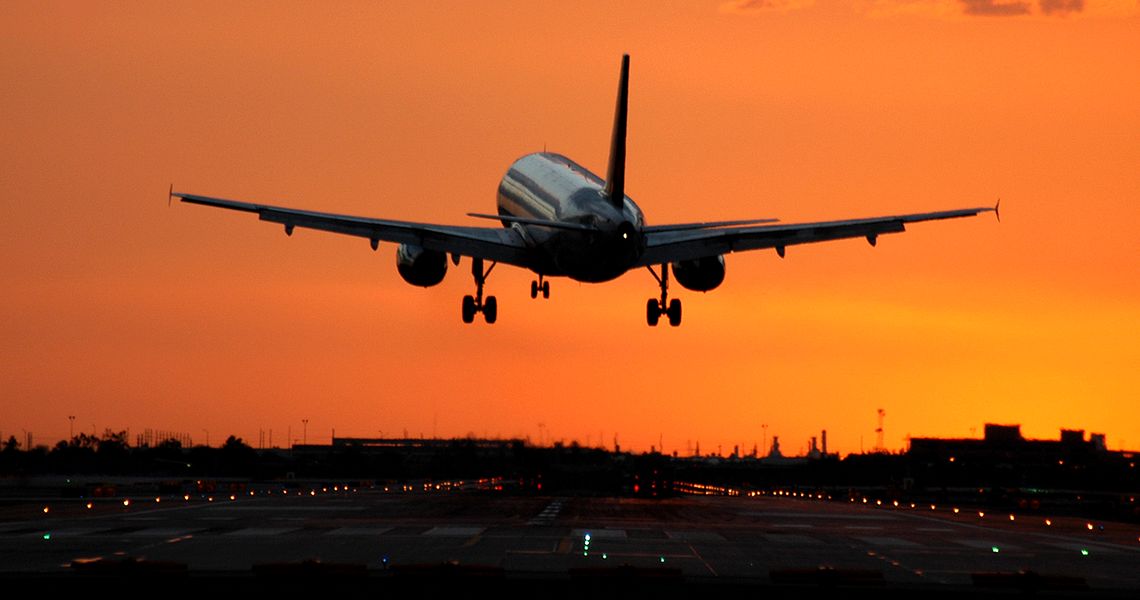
(170, 198)
(615, 172)
(997, 210)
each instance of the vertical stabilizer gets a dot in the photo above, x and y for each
(615, 172)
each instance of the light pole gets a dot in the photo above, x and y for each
(207, 437)
(305, 432)
(764, 438)
(70, 427)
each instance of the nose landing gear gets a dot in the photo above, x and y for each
(540, 286)
(477, 304)
(654, 308)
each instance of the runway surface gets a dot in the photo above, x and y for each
(738, 540)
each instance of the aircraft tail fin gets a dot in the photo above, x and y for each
(615, 171)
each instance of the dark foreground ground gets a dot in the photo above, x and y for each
(314, 539)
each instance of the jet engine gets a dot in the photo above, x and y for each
(700, 275)
(419, 266)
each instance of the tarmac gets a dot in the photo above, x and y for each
(426, 542)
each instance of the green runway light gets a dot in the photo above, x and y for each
(1084, 552)
(47, 536)
(995, 549)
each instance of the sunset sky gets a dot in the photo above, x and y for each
(131, 314)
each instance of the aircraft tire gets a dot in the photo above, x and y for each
(674, 312)
(652, 312)
(468, 309)
(491, 310)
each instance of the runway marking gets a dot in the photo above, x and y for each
(862, 527)
(893, 542)
(165, 532)
(77, 531)
(455, 531)
(359, 531)
(602, 534)
(935, 529)
(985, 544)
(791, 538)
(548, 514)
(260, 531)
(225, 508)
(1078, 546)
(817, 516)
(695, 536)
(794, 526)
(703, 561)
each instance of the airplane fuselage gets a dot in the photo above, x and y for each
(550, 187)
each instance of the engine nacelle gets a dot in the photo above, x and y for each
(700, 275)
(419, 266)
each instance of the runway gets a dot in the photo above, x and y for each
(700, 540)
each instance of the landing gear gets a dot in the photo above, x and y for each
(477, 304)
(654, 308)
(540, 286)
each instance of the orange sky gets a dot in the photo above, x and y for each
(128, 314)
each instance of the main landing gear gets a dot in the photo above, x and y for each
(477, 304)
(540, 286)
(654, 308)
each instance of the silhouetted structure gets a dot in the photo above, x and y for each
(1001, 469)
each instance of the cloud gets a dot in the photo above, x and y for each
(995, 8)
(762, 6)
(1061, 7)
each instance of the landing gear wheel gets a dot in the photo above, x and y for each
(674, 312)
(490, 310)
(654, 308)
(468, 309)
(477, 303)
(652, 312)
(539, 286)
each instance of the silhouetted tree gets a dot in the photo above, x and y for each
(237, 457)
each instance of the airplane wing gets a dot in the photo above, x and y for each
(667, 246)
(491, 243)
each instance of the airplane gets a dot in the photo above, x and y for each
(558, 219)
